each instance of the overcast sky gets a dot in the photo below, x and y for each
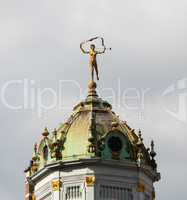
(39, 40)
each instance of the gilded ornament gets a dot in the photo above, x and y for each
(56, 185)
(90, 181)
(93, 55)
(141, 187)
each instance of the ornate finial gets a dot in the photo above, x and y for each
(35, 148)
(92, 89)
(55, 132)
(54, 136)
(56, 147)
(35, 153)
(152, 153)
(139, 157)
(140, 133)
(46, 132)
(93, 55)
(35, 159)
(140, 139)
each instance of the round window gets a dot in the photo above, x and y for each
(115, 143)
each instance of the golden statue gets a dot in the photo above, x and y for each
(93, 55)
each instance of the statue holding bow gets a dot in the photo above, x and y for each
(93, 55)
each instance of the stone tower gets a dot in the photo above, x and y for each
(94, 155)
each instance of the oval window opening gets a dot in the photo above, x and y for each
(115, 144)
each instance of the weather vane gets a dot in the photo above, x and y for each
(93, 55)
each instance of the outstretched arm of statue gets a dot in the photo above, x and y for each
(100, 52)
(82, 49)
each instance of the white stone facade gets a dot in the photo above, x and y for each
(109, 181)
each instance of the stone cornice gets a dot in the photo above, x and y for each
(128, 165)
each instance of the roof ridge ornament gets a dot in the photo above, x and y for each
(153, 155)
(46, 132)
(92, 89)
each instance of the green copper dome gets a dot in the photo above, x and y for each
(92, 131)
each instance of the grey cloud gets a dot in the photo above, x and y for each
(40, 40)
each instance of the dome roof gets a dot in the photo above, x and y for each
(93, 130)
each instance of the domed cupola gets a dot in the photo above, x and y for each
(92, 131)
